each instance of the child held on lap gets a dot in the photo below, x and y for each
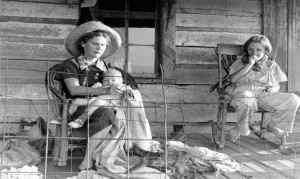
(111, 76)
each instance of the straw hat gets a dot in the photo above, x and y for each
(73, 44)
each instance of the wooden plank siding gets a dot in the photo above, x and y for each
(38, 12)
(293, 45)
(28, 47)
(24, 71)
(201, 25)
(32, 34)
(191, 103)
(32, 37)
(69, 2)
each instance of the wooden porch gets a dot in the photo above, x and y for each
(257, 158)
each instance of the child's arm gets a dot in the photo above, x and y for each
(80, 102)
(273, 89)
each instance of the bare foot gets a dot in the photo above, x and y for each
(280, 133)
(277, 132)
(234, 134)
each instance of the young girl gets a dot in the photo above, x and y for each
(110, 77)
(256, 81)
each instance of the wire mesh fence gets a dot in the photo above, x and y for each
(181, 144)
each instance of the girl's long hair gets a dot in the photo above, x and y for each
(262, 39)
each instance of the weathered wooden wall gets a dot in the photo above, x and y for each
(293, 37)
(32, 34)
(201, 25)
(32, 39)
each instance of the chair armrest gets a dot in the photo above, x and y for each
(225, 83)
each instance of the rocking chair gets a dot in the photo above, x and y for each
(227, 54)
(59, 104)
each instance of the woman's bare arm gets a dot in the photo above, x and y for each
(76, 90)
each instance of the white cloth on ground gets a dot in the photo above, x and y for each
(220, 161)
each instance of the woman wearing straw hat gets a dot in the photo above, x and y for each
(88, 44)
(106, 128)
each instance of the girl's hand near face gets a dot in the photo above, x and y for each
(252, 59)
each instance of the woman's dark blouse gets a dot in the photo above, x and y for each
(102, 117)
(70, 69)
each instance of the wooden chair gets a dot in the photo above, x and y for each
(59, 104)
(227, 54)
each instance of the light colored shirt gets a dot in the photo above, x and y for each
(269, 76)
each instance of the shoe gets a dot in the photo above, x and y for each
(55, 121)
(76, 124)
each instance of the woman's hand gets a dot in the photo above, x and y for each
(116, 89)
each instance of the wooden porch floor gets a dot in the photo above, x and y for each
(258, 159)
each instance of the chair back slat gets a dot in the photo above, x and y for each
(230, 49)
(54, 93)
(50, 83)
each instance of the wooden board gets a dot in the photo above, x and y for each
(201, 25)
(196, 55)
(248, 154)
(74, 2)
(13, 113)
(47, 32)
(182, 113)
(196, 76)
(209, 39)
(23, 91)
(241, 23)
(168, 27)
(24, 71)
(253, 6)
(190, 94)
(293, 44)
(40, 10)
(19, 50)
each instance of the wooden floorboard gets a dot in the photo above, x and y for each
(260, 158)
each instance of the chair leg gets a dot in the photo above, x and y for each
(262, 125)
(215, 126)
(64, 140)
(219, 127)
(223, 128)
(56, 146)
